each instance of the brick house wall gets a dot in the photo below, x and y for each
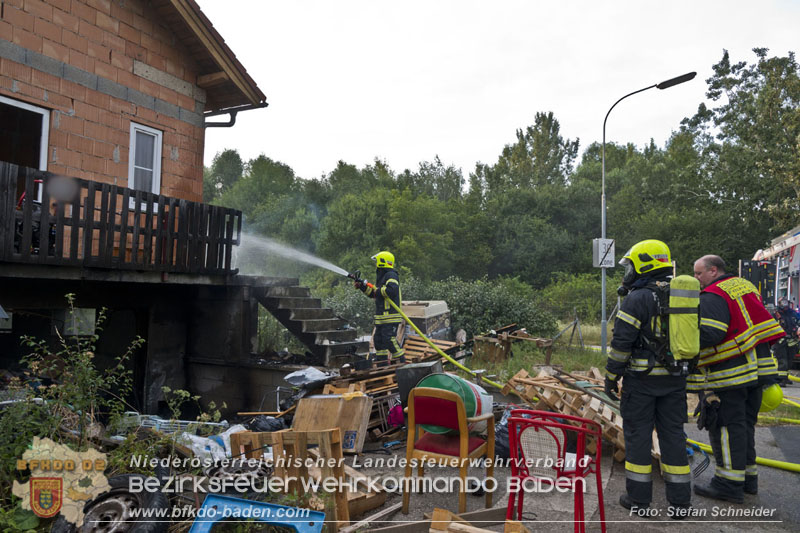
(98, 65)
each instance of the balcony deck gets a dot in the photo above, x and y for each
(80, 223)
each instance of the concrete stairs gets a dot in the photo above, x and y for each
(323, 333)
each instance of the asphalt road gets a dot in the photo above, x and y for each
(775, 508)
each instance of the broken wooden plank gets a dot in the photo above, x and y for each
(512, 526)
(276, 414)
(485, 517)
(377, 517)
(442, 518)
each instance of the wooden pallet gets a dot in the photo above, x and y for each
(418, 350)
(380, 385)
(544, 392)
(367, 386)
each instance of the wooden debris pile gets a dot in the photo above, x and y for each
(291, 460)
(379, 384)
(571, 394)
(497, 347)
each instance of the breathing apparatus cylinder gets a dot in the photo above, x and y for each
(684, 322)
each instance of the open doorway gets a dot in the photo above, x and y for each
(24, 136)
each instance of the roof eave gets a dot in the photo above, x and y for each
(231, 69)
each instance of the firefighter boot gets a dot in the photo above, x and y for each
(751, 484)
(679, 512)
(710, 491)
(629, 504)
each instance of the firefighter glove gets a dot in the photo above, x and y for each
(612, 389)
(708, 411)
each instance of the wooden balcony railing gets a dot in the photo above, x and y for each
(91, 224)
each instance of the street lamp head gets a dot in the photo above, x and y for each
(675, 81)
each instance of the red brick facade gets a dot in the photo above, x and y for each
(104, 45)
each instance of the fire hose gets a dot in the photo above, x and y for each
(790, 402)
(436, 348)
(784, 465)
(357, 275)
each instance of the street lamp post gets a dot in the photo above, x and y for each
(663, 85)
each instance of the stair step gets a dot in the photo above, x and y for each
(296, 303)
(324, 324)
(343, 348)
(334, 336)
(313, 325)
(323, 313)
(288, 292)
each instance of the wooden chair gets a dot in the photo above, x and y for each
(446, 409)
(537, 435)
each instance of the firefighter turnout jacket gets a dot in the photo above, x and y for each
(387, 285)
(733, 322)
(635, 340)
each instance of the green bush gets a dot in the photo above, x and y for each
(571, 293)
(352, 305)
(274, 337)
(475, 306)
(483, 305)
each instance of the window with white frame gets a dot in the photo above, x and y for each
(144, 159)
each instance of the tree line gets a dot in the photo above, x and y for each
(726, 182)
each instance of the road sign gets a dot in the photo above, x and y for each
(603, 253)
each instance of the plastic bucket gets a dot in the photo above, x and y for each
(476, 400)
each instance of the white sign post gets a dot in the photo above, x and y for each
(603, 253)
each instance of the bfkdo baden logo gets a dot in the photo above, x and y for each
(61, 480)
(46, 495)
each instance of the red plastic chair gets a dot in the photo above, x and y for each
(545, 436)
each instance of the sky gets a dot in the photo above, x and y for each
(407, 81)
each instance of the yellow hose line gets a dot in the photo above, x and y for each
(793, 378)
(778, 419)
(792, 397)
(440, 352)
(792, 467)
(765, 418)
(790, 402)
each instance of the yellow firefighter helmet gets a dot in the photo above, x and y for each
(383, 260)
